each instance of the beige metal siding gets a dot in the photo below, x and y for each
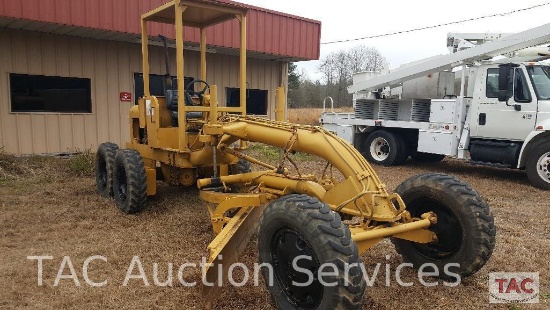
(110, 66)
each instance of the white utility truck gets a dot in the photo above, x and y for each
(497, 112)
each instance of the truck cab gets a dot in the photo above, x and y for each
(510, 117)
(527, 103)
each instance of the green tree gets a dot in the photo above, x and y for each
(295, 92)
(293, 76)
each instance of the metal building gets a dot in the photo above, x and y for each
(70, 70)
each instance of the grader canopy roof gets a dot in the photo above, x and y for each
(199, 13)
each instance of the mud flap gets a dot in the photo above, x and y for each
(229, 244)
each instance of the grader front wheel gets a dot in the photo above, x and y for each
(300, 231)
(465, 226)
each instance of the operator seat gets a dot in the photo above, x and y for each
(172, 105)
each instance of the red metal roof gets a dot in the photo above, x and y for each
(269, 32)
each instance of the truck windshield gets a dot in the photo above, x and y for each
(540, 76)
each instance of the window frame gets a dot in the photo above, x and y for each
(10, 99)
(227, 99)
(533, 84)
(151, 77)
(487, 83)
(529, 98)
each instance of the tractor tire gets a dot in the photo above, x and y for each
(129, 182)
(427, 157)
(297, 225)
(465, 226)
(385, 148)
(538, 165)
(104, 166)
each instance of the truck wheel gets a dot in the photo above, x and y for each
(129, 181)
(538, 166)
(427, 157)
(104, 164)
(301, 229)
(465, 226)
(385, 148)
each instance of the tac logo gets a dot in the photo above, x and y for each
(514, 287)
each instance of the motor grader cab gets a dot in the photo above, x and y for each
(432, 218)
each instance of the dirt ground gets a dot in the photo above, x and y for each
(46, 210)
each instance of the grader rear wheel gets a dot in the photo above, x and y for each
(302, 230)
(465, 226)
(104, 165)
(129, 181)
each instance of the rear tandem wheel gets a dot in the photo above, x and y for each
(129, 181)
(104, 166)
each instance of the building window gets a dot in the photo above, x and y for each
(157, 85)
(256, 100)
(53, 94)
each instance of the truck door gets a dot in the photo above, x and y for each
(500, 120)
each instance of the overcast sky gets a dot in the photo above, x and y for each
(344, 19)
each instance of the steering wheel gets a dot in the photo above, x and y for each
(191, 89)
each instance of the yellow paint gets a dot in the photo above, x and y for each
(192, 146)
(145, 58)
(151, 181)
(230, 243)
(182, 137)
(228, 202)
(203, 54)
(155, 12)
(280, 109)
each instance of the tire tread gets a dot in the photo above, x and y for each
(473, 206)
(334, 236)
(136, 179)
(108, 151)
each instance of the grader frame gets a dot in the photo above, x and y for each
(203, 150)
(362, 194)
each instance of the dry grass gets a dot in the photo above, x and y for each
(310, 116)
(65, 216)
(82, 163)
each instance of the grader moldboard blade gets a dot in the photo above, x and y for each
(229, 244)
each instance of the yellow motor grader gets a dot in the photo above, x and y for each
(186, 137)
